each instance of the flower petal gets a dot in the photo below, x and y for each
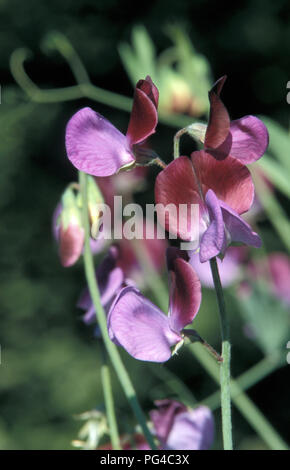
(247, 141)
(229, 179)
(213, 240)
(163, 417)
(238, 229)
(144, 117)
(95, 146)
(140, 327)
(185, 290)
(175, 185)
(192, 430)
(110, 279)
(219, 120)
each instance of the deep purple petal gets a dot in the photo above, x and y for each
(163, 417)
(144, 117)
(185, 290)
(213, 240)
(140, 327)
(219, 120)
(95, 146)
(192, 430)
(238, 229)
(250, 139)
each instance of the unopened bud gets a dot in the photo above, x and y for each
(69, 229)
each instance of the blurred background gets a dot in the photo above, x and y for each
(50, 360)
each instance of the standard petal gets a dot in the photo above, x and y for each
(192, 430)
(144, 117)
(95, 146)
(185, 290)
(229, 179)
(140, 327)
(238, 229)
(213, 240)
(176, 185)
(219, 120)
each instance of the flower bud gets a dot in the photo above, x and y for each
(68, 229)
(95, 202)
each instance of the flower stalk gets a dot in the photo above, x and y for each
(225, 375)
(102, 321)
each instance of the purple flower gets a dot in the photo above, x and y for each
(110, 279)
(180, 428)
(222, 189)
(245, 139)
(96, 147)
(141, 328)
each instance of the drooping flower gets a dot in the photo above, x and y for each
(223, 190)
(141, 328)
(96, 147)
(245, 139)
(180, 428)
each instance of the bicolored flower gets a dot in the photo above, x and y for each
(141, 328)
(96, 147)
(223, 190)
(176, 427)
(180, 428)
(245, 139)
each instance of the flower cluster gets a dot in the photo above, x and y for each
(215, 179)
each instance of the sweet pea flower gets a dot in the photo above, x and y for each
(110, 279)
(141, 328)
(223, 190)
(245, 139)
(176, 427)
(96, 147)
(180, 428)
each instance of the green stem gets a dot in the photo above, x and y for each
(102, 321)
(81, 90)
(225, 374)
(109, 401)
(249, 378)
(244, 404)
